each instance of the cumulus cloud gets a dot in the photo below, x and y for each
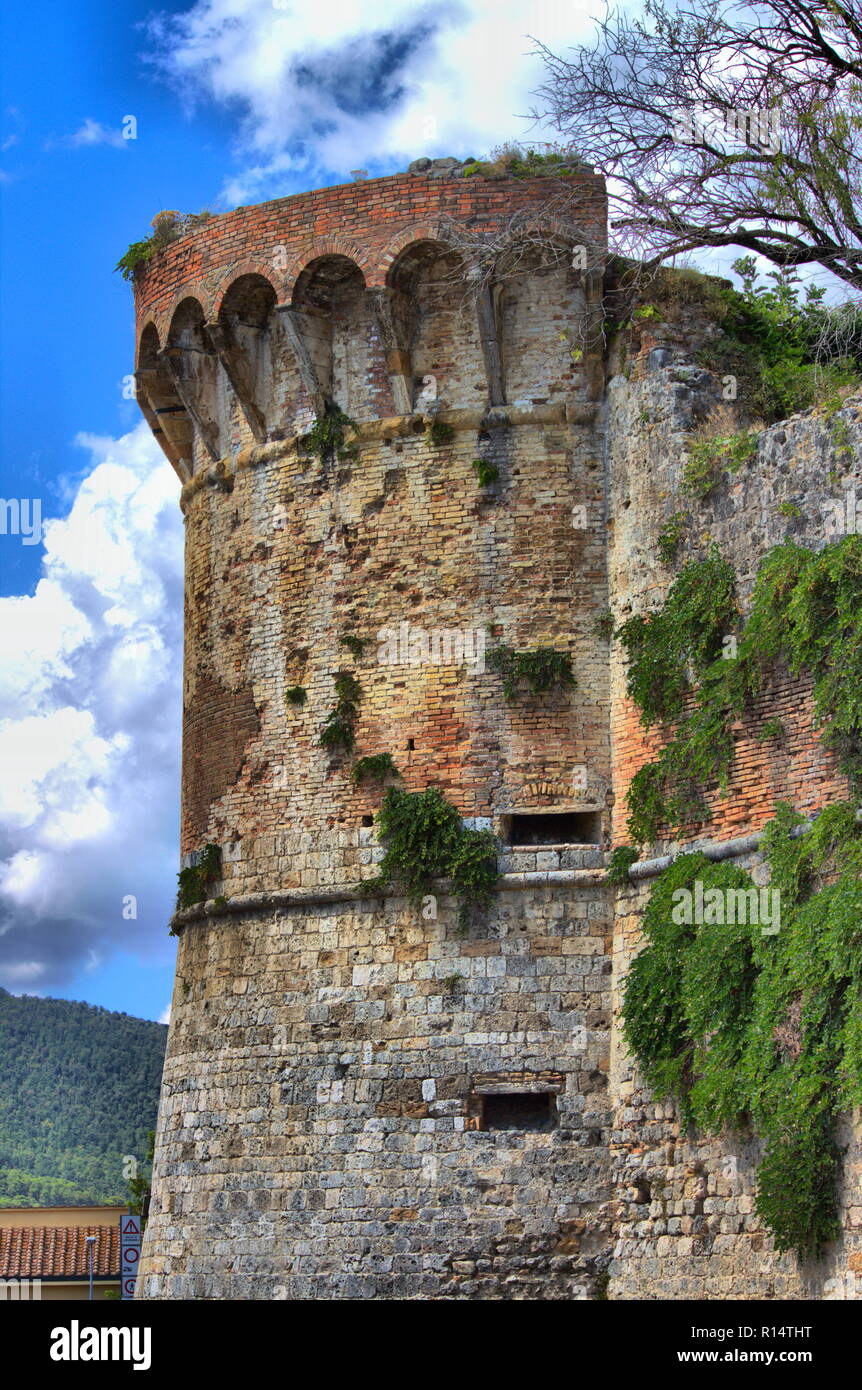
(322, 89)
(90, 725)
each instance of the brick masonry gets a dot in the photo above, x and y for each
(324, 1127)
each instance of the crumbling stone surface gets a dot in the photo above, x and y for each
(321, 1131)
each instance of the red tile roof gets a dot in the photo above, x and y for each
(52, 1252)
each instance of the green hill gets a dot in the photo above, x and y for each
(79, 1088)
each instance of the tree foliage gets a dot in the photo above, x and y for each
(79, 1091)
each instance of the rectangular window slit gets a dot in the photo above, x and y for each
(520, 1110)
(554, 828)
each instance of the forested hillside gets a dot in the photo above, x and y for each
(79, 1088)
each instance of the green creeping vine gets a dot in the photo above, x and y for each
(688, 667)
(194, 881)
(425, 839)
(338, 733)
(761, 1029)
(544, 670)
(619, 864)
(439, 434)
(325, 439)
(296, 695)
(377, 766)
(355, 645)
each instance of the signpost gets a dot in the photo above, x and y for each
(130, 1252)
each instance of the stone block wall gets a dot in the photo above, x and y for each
(684, 1220)
(319, 1129)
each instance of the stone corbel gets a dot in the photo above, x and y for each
(594, 357)
(292, 327)
(489, 334)
(230, 357)
(167, 419)
(171, 360)
(391, 315)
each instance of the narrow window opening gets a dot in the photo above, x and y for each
(554, 828)
(367, 820)
(534, 1111)
(411, 744)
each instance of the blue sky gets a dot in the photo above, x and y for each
(234, 101)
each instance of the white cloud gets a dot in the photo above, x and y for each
(92, 132)
(165, 1015)
(324, 89)
(90, 724)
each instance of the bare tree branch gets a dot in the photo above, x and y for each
(723, 125)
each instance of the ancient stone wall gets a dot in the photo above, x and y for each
(799, 466)
(361, 1098)
(321, 1130)
(349, 1096)
(684, 1219)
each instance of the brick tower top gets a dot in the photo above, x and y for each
(438, 317)
(204, 292)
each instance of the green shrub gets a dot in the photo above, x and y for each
(167, 227)
(544, 670)
(619, 864)
(195, 881)
(770, 341)
(425, 839)
(377, 766)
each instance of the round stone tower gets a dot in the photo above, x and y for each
(363, 1098)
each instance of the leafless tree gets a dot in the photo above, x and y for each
(722, 124)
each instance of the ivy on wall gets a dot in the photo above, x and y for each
(543, 670)
(194, 882)
(694, 666)
(338, 733)
(760, 1029)
(425, 839)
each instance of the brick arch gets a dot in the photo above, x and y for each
(407, 237)
(194, 289)
(261, 268)
(149, 322)
(315, 251)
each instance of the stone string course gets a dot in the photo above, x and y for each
(321, 1129)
